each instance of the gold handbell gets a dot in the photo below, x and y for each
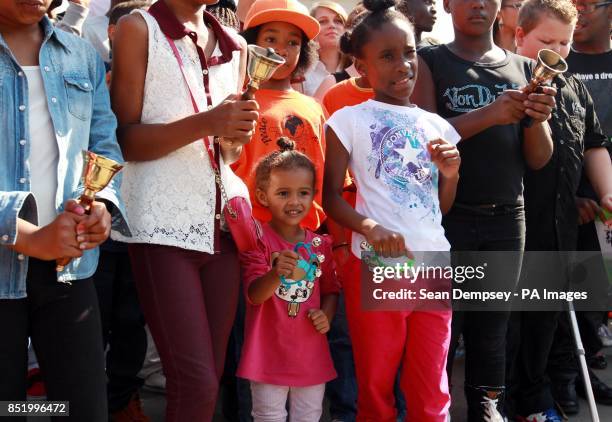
(263, 62)
(98, 171)
(549, 65)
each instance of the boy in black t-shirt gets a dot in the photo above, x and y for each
(474, 84)
(551, 213)
(591, 61)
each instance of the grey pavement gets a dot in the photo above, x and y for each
(154, 404)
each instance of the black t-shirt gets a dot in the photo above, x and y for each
(492, 162)
(595, 71)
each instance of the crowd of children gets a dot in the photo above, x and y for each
(367, 137)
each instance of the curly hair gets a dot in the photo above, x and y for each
(532, 10)
(308, 49)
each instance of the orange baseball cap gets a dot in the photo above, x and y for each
(290, 11)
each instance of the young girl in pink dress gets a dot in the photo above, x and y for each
(291, 290)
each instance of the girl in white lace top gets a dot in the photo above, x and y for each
(168, 64)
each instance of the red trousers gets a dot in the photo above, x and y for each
(385, 340)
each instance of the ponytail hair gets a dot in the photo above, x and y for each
(286, 158)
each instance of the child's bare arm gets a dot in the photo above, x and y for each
(424, 92)
(537, 144)
(141, 142)
(598, 168)
(56, 240)
(507, 108)
(446, 157)
(263, 288)
(384, 242)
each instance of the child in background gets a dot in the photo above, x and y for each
(505, 24)
(590, 59)
(225, 12)
(123, 334)
(286, 26)
(475, 85)
(350, 90)
(342, 391)
(291, 290)
(394, 163)
(423, 15)
(550, 208)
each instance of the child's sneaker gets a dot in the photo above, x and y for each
(36, 386)
(549, 415)
(485, 403)
(605, 335)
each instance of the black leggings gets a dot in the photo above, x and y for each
(484, 333)
(64, 324)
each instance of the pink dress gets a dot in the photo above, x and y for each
(281, 345)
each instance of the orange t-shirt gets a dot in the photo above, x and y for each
(345, 93)
(298, 117)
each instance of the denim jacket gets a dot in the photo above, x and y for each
(79, 105)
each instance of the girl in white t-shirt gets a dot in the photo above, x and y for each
(405, 165)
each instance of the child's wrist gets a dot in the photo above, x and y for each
(451, 177)
(367, 226)
(489, 116)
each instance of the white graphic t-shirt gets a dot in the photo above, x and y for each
(397, 183)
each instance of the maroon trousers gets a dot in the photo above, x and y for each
(189, 301)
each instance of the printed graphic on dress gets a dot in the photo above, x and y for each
(399, 158)
(298, 288)
(473, 96)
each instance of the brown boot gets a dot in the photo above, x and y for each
(132, 412)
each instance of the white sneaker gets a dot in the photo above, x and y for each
(156, 382)
(491, 414)
(605, 335)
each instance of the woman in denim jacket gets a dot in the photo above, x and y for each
(54, 103)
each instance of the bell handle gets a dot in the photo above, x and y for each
(249, 93)
(85, 201)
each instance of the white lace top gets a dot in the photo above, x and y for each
(171, 200)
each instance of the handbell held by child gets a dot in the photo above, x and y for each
(98, 171)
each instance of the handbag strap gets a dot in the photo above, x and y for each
(213, 160)
(213, 154)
